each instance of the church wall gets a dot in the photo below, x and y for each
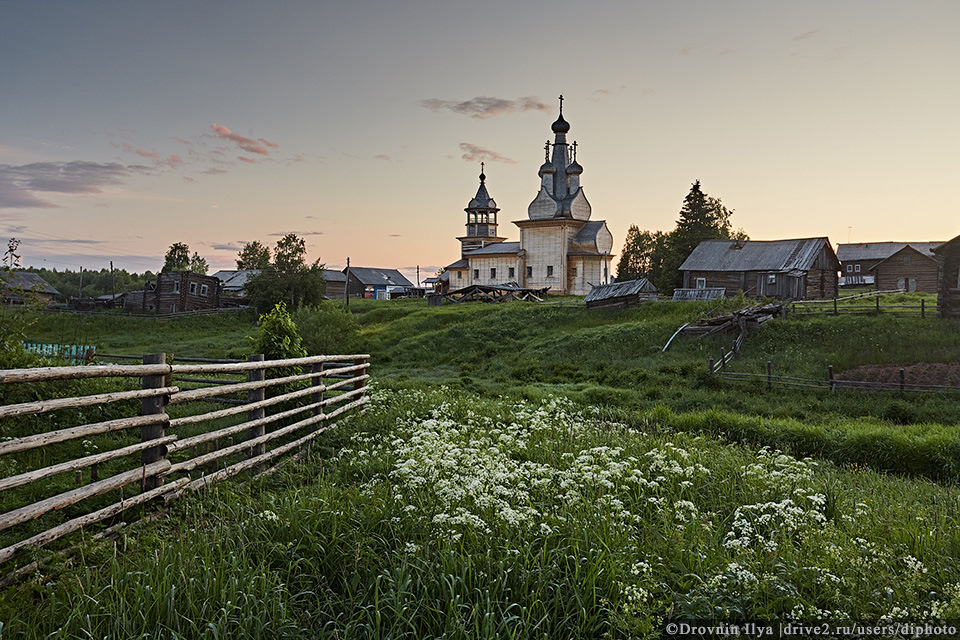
(545, 247)
(591, 271)
(502, 263)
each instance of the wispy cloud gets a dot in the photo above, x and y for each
(474, 153)
(805, 36)
(299, 233)
(232, 246)
(483, 107)
(247, 144)
(21, 185)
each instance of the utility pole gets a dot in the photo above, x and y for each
(346, 286)
(80, 292)
(418, 276)
(113, 285)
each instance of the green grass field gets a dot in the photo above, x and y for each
(547, 471)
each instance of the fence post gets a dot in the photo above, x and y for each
(153, 406)
(878, 304)
(769, 374)
(710, 365)
(317, 367)
(833, 385)
(723, 359)
(361, 384)
(835, 312)
(256, 395)
(902, 380)
(922, 309)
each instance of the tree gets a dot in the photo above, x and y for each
(177, 258)
(254, 255)
(288, 278)
(642, 255)
(198, 264)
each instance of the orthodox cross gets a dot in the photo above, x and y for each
(546, 152)
(574, 145)
(561, 104)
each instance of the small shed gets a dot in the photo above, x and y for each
(786, 269)
(628, 293)
(858, 262)
(17, 287)
(948, 278)
(912, 268)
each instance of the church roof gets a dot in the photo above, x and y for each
(482, 200)
(495, 248)
(592, 238)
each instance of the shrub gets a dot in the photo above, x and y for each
(325, 328)
(278, 338)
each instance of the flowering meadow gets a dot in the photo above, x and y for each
(442, 514)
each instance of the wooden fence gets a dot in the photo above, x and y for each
(163, 436)
(837, 306)
(830, 382)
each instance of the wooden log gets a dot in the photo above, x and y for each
(207, 392)
(43, 406)
(67, 498)
(179, 369)
(193, 463)
(152, 406)
(343, 396)
(42, 374)
(346, 407)
(80, 463)
(255, 395)
(70, 526)
(62, 435)
(222, 413)
(345, 382)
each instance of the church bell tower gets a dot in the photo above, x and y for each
(481, 220)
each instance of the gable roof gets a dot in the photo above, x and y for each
(879, 250)
(620, 289)
(755, 255)
(26, 281)
(235, 279)
(371, 276)
(926, 254)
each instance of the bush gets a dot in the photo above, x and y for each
(278, 338)
(327, 329)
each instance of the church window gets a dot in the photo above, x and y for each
(512, 273)
(573, 271)
(476, 274)
(493, 273)
(549, 270)
(529, 272)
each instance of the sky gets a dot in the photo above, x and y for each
(360, 125)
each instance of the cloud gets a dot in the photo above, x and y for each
(687, 50)
(182, 141)
(245, 159)
(483, 107)
(272, 145)
(383, 156)
(725, 52)
(473, 153)
(805, 36)
(298, 233)
(20, 185)
(247, 144)
(395, 235)
(213, 171)
(231, 246)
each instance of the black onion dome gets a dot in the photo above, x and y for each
(561, 125)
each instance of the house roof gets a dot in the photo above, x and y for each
(496, 247)
(372, 276)
(235, 279)
(926, 254)
(334, 276)
(879, 250)
(26, 281)
(755, 255)
(620, 289)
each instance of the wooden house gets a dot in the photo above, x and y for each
(912, 268)
(948, 278)
(177, 291)
(628, 293)
(379, 284)
(858, 262)
(18, 287)
(786, 269)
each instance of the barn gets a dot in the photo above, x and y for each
(16, 287)
(912, 268)
(786, 269)
(628, 293)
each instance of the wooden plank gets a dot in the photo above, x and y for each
(59, 501)
(80, 463)
(70, 526)
(344, 383)
(43, 406)
(62, 435)
(266, 364)
(207, 392)
(223, 413)
(346, 407)
(41, 374)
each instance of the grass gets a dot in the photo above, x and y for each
(442, 514)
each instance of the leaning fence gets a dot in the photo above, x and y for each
(153, 430)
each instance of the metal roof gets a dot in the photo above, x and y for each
(755, 255)
(496, 247)
(334, 276)
(25, 281)
(373, 276)
(620, 289)
(879, 250)
(235, 279)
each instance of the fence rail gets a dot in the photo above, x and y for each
(278, 407)
(833, 306)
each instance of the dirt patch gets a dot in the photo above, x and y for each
(921, 373)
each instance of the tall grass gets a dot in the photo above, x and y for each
(446, 515)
